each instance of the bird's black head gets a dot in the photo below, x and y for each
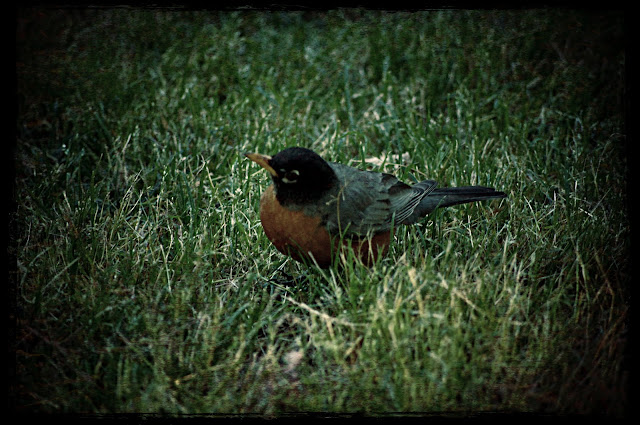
(299, 175)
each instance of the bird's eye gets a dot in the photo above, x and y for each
(290, 176)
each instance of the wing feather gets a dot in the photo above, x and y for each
(371, 202)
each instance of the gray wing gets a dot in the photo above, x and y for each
(371, 202)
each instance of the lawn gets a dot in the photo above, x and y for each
(141, 279)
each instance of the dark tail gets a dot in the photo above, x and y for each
(448, 196)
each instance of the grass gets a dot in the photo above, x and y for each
(143, 281)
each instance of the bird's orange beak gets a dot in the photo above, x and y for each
(263, 161)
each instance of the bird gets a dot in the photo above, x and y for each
(316, 208)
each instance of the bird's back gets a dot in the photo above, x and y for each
(370, 202)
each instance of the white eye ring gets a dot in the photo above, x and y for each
(289, 176)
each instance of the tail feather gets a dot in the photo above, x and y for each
(449, 196)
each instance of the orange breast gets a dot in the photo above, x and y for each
(298, 235)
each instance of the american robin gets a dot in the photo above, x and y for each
(315, 207)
